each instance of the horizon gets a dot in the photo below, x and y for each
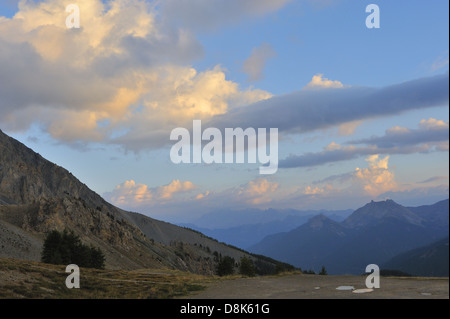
(362, 114)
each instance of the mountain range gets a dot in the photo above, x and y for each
(373, 234)
(244, 228)
(37, 196)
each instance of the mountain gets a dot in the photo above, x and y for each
(436, 215)
(233, 218)
(245, 228)
(378, 211)
(428, 261)
(37, 196)
(374, 233)
(249, 234)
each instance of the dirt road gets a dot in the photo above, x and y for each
(314, 286)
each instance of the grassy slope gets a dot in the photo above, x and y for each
(28, 279)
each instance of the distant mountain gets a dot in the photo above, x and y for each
(231, 218)
(429, 261)
(247, 235)
(374, 233)
(37, 196)
(436, 215)
(375, 212)
(252, 226)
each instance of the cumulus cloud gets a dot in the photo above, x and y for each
(134, 195)
(255, 64)
(319, 82)
(176, 186)
(186, 196)
(315, 190)
(258, 191)
(125, 70)
(376, 179)
(130, 194)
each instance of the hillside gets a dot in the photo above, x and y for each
(374, 233)
(37, 196)
(431, 260)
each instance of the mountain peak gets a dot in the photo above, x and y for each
(377, 211)
(319, 221)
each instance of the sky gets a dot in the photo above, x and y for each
(362, 113)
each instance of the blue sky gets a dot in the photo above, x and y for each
(102, 100)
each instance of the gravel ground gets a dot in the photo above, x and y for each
(324, 287)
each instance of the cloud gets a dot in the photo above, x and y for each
(130, 194)
(429, 131)
(255, 64)
(309, 110)
(319, 82)
(311, 190)
(432, 135)
(207, 15)
(441, 62)
(435, 179)
(114, 74)
(133, 195)
(257, 191)
(176, 186)
(376, 179)
(202, 195)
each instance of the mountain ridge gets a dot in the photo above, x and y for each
(37, 196)
(374, 233)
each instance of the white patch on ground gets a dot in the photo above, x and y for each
(345, 288)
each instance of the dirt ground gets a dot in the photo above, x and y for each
(324, 287)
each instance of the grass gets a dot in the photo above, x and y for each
(34, 280)
(27, 279)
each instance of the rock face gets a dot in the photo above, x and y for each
(37, 196)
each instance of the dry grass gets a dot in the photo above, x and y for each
(27, 279)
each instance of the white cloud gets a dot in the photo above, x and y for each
(134, 195)
(376, 179)
(176, 186)
(431, 124)
(258, 191)
(319, 82)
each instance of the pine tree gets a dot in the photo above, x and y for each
(66, 248)
(247, 268)
(225, 266)
(323, 271)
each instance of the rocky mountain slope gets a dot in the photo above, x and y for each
(37, 196)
